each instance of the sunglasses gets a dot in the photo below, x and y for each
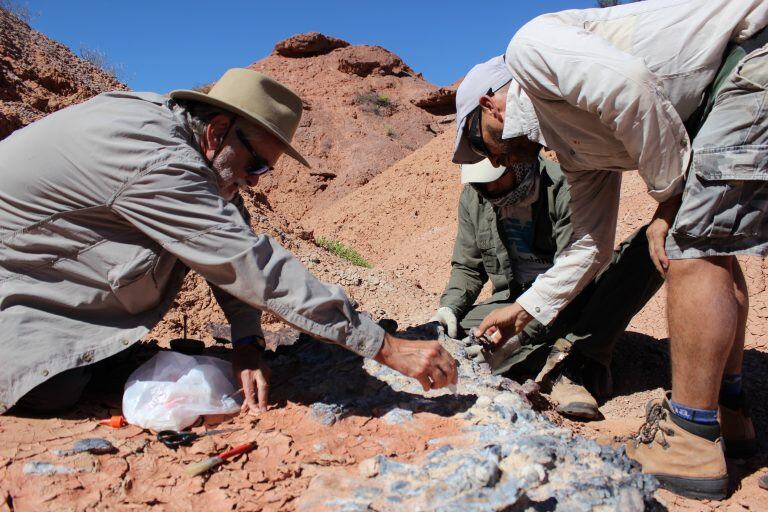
(475, 130)
(259, 166)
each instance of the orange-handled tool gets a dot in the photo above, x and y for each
(114, 422)
(201, 467)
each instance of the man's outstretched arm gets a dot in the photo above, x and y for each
(179, 208)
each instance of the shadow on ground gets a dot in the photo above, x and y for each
(327, 378)
(332, 381)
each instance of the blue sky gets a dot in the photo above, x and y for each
(163, 45)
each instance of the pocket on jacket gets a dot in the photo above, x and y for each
(490, 261)
(488, 252)
(133, 283)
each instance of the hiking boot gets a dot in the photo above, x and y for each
(572, 397)
(685, 457)
(560, 350)
(739, 437)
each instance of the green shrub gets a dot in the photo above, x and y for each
(376, 103)
(342, 251)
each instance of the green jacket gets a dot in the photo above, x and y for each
(480, 252)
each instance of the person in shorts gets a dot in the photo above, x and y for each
(677, 91)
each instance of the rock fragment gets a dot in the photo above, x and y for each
(96, 446)
(42, 468)
(326, 414)
(369, 468)
(397, 416)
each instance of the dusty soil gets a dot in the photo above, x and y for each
(292, 446)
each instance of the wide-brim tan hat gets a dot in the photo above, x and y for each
(257, 98)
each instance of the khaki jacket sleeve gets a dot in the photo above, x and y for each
(243, 319)
(468, 274)
(587, 250)
(554, 62)
(178, 206)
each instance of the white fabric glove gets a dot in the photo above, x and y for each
(498, 356)
(446, 317)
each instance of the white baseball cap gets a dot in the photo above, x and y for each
(481, 172)
(491, 75)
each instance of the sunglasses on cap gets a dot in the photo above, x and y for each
(259, 166)
(475, 130)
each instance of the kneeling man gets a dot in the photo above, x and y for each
(513, 223)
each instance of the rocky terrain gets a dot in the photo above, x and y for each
(364, 110)
(39, 76)
(342, 433)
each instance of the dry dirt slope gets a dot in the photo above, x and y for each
(405, 218)
(360, 117)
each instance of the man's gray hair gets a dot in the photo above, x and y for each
(199, 116)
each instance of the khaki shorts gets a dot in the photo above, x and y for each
(725, 203)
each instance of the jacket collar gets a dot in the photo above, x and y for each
(520, 118)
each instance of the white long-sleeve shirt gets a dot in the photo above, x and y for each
(609, 90)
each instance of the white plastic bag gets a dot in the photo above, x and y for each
(171, 390)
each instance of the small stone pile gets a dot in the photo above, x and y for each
(509, 457)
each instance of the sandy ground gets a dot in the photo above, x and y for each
(291, 445)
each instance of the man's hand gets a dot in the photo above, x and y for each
(503, 323)
(446, 317)
(426, 361)
(657, 233)
(253, 375)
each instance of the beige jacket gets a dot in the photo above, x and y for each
(103, 206)
(609, 90)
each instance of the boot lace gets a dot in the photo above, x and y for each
(652, 426)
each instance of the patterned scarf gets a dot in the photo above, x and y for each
(525, 179)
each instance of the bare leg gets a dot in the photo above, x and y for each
(733, 365)
(703, 317)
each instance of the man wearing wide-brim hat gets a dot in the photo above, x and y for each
(104, 206)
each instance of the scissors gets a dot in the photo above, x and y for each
(173, 439)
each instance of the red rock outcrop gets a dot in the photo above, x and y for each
(358, 120)
(367, 60)
(308, 45)
(441, 102)
(39, 76)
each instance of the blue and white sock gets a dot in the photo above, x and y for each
(700, 416)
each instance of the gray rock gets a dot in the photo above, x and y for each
(326, 414)
(511, 456)
(42, 468)
(96, 446)
(397, 416)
